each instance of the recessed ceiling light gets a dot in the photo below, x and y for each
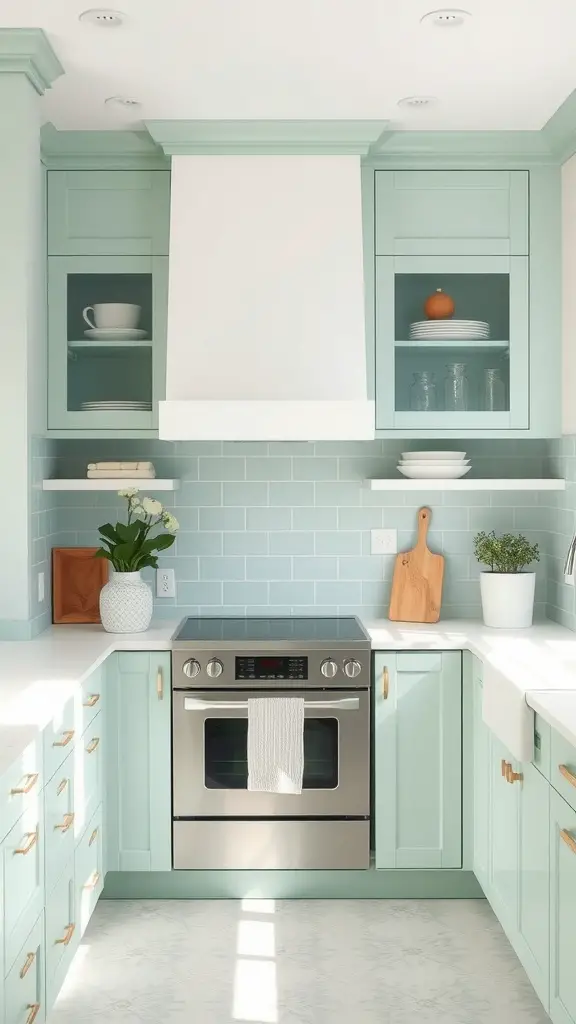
(446, 17)
(104, 17)
(122, 101)
(417, 102)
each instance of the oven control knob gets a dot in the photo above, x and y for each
(214, 668)
(191, 668)
(352, 668)
(329, 668)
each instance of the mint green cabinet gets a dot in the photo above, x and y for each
(62, 932)
(563, 912)
(108, 213)
(138, 780)
(25, 983)
(22, 877)
(481, 779)
(418, 759)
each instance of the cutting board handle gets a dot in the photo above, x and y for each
(424, 516)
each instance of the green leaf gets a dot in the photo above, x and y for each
(162, 541)
(102, 553)
(108, 531)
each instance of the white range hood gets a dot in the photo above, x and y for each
(266, 333)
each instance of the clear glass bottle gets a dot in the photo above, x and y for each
(423, 392)
(494, 391)
(456, 388)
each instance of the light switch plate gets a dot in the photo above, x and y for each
(384, 542)
(165, 583)
(41, 588)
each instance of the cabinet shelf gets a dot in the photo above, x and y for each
(468, 346)
(504, 484)
(110, 485)
(85, 344)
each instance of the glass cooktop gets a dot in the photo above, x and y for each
(230, 630)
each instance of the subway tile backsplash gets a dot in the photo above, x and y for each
(284, 527)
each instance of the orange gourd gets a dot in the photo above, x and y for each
(439, 306)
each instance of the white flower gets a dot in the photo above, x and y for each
(130, 492)
(137, 509)
(170, 522)
(151, 506)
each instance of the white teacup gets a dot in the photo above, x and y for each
(112, 315)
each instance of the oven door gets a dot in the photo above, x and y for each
(210, 766)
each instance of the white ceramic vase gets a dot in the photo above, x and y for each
(507, 598)
(125, 603)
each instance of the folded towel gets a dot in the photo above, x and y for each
(506, 713)
(275, 744)
(120, 474)
(121, 465)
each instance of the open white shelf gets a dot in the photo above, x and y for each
(468, 345)
(86, 343)
(403, 484)
(110, 485)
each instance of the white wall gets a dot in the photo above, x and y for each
(569, 296)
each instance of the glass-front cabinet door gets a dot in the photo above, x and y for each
(452, 342)
(106, 341)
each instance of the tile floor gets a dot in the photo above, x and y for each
(296, 962)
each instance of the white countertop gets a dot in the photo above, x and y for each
(37, 676)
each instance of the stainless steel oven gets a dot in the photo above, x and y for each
(218, 822)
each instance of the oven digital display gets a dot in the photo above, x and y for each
(271, 668)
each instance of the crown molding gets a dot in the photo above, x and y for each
(560, 130)
(444, 148)
(27, 51)
(100, 150)
(266, 137)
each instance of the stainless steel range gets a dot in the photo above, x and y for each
(217, 665)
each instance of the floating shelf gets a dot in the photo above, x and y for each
(404, 484)
(469, 345)
(85, 343)
(110, 485)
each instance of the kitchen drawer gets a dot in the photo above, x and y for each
(563, 768)
(25, 984)
(92, 699)
(59, 738)
(21, 786)
(89, 870)
(88, 775)
(23, 877)
(59, 822)
(62, 935)
(542, 746)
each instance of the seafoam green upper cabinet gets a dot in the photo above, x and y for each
(108, 213)
(465, 213)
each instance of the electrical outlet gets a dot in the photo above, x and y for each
(384, 542)
(165, 583)
(41, 588)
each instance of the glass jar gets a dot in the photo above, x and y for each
(494, 391)
(423, 392)
(456, 388)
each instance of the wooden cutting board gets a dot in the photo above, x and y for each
(77, 579)
(417, 585)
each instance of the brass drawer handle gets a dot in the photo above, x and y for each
(27, 964)
(504, 767)
(568, 838)
(32, 838)
(385, 682)
(160, 684)
(62, 787)
(68, 933)
(568, 775)
(68, 736)
(512, 776)
(93, 881)
(33, 1007)
(92, 700)
(92, 745)
(31, 780)
(93, 837)
(66, 824)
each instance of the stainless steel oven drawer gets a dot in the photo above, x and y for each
(271, 845)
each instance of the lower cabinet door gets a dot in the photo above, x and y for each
(23, 878)
(562, 912)
(533, 948)
(59, 822)
(481, 777)
(25, 999)
(89, 871)
(88, 774)
(503, 866)
(62, 934)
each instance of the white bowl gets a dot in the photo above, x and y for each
(433, 456)
(434, 472)
(450, 463)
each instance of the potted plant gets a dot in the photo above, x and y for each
(507, 592)
(126, 600)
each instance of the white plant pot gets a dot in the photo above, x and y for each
(125, 603)
(507, 598)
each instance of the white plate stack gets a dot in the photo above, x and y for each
(434, 465)
(450, 330)
(127, 406)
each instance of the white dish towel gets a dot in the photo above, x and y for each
(506, 713)
(275, 744)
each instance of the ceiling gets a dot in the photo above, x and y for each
(508, 67)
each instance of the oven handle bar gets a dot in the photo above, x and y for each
(196, 704)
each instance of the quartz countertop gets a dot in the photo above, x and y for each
(38, 676)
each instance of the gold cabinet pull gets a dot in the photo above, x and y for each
(32, 839)
(160, 684)
(27, 964)
(510, 775)
(92, 745)
(62, 787)
(504, 767)
(93, 882)
(68, 933)
(92, 700)
(93, 837)
(563, 769)
(568, 838)
(29, 781)
(67, 738)
(385, 682)
(33, 1007)
(66, 824)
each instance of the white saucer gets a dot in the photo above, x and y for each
(115, 333)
